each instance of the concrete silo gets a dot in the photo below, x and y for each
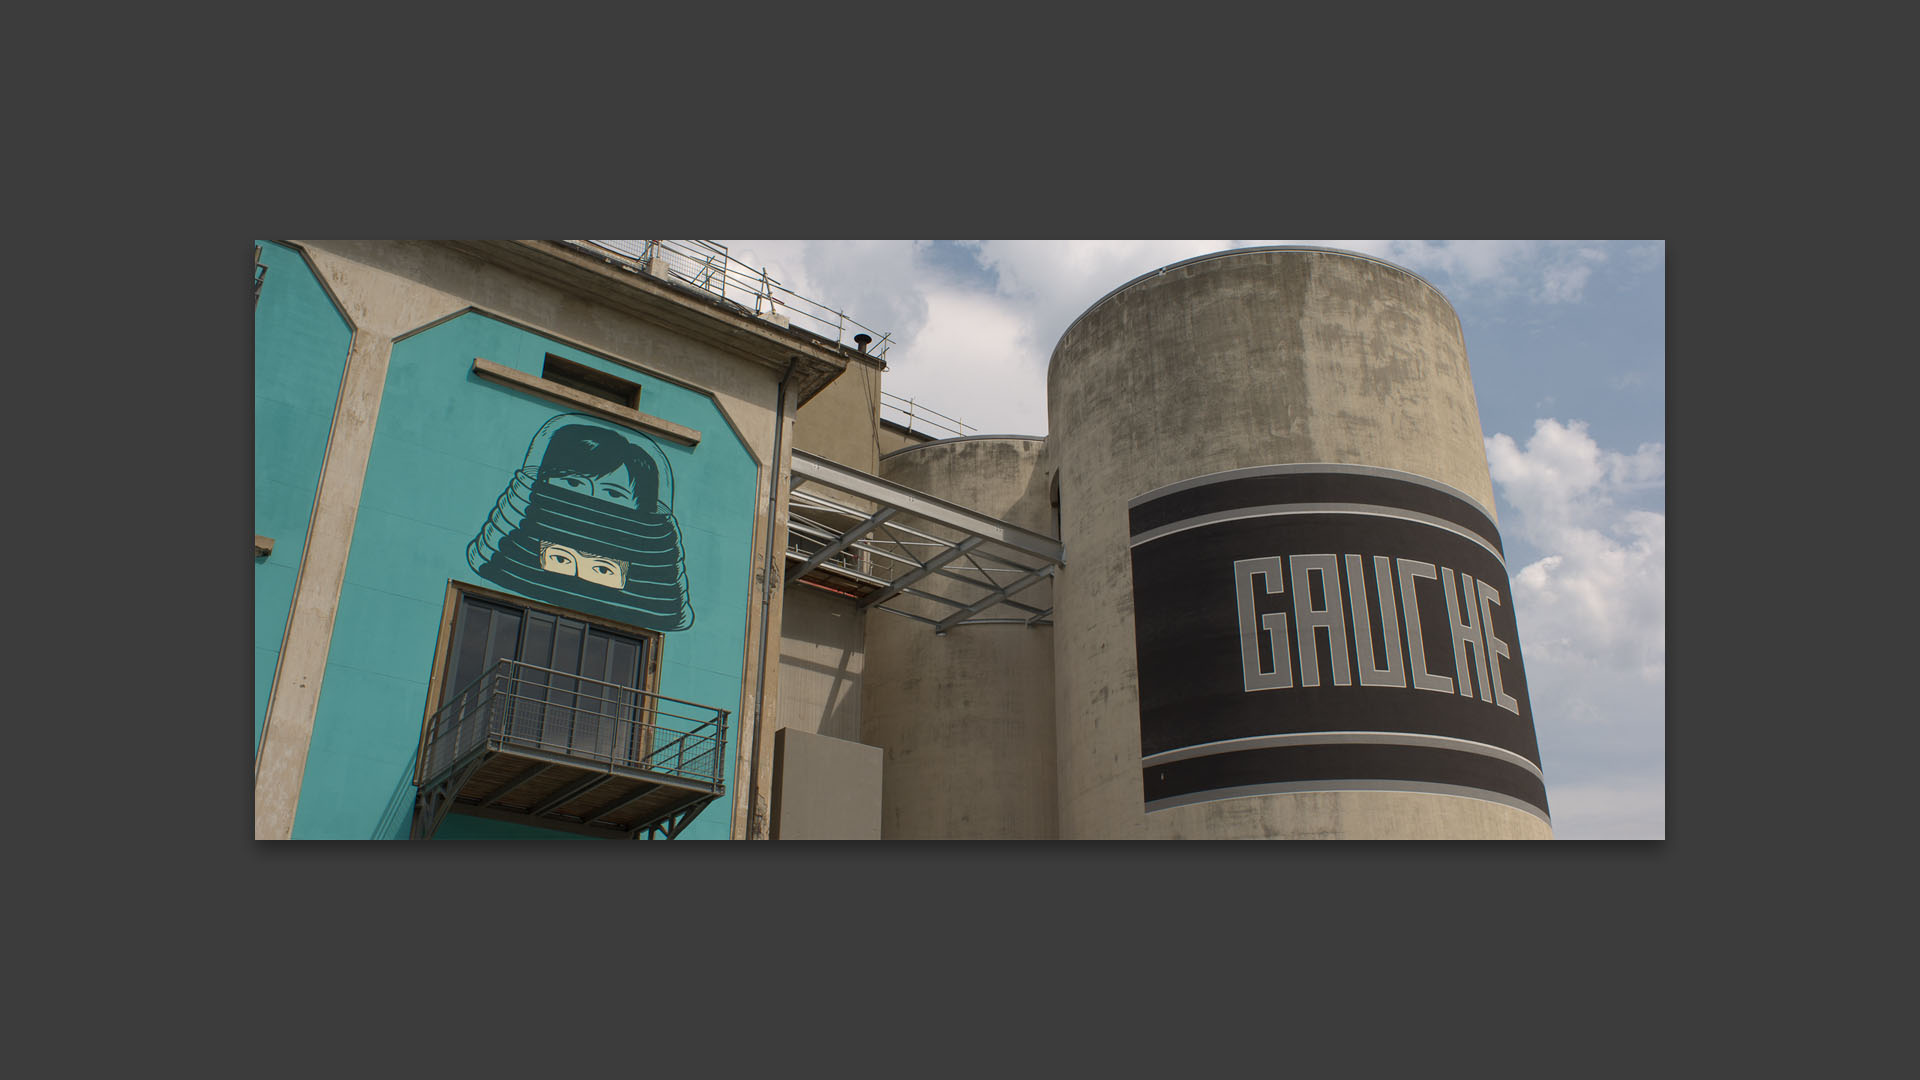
(966, 717)
(1284, 612)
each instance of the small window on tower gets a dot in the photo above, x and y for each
(589, 381)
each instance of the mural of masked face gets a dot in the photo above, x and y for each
(587, 523)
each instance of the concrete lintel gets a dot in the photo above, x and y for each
(567, 395)
(262, 546)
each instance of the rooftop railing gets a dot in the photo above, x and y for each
(914, 416)
(706, 265)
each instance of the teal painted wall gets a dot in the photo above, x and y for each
(445, 446)
(300, 343)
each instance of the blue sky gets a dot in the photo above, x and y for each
(1567, 342)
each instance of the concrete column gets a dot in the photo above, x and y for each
(1251, 358)
(966, 718)
(379, 307)
(753, 787)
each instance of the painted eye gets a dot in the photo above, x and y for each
(558, 559)
(575, 483)
(603, 571)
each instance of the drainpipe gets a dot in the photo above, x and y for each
(766, 595)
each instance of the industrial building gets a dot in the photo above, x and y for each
(561, 539)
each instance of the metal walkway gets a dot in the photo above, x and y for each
(882, 543)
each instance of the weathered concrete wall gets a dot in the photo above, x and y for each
(894, 437)
(966, 719)
(842, 422)
(1250, 358)
(822, 655)
(825, 788)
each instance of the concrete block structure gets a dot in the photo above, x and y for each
(824, 788)
(562, 539)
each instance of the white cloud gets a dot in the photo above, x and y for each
(1564, 283)
(872, 281)
(1043, 285)
(1599, 594)
(1051, 282)
(967, 362)
(1565, 280)
(1592, 620)
(1467, 262)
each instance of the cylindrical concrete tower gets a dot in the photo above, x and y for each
(966, 718)
(1285, 612)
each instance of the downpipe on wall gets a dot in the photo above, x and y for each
(755, 817)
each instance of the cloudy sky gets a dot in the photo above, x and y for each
(1567, 345)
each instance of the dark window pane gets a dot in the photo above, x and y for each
(575, 689)
(558, 730)
(470, 644)
(592, 727)
(623, 669)
(504, 641)
(566, 645)
(538, 649)
(623, 661)
(593, 660)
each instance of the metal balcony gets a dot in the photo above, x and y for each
(554, 750)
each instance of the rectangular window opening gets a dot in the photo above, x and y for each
(590, 381)
(582, 691)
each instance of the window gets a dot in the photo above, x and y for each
(573, 688)
(591, 381)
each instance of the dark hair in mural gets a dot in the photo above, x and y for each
(587, 523)
(585, 452)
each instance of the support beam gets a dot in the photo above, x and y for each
(507, 787)
(989, 600)
(841, 544)
(808, 467)
(909, 615)
(444, 795)
(571, 792)
(900, 583)
(494, 813)
(621, 803)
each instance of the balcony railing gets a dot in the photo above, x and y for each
(544, 745)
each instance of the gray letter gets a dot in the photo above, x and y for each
(1466, 635)
(1495, 648)
(1275, 624)
(1395, 673)
(1410, 607)
(1306, 617)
